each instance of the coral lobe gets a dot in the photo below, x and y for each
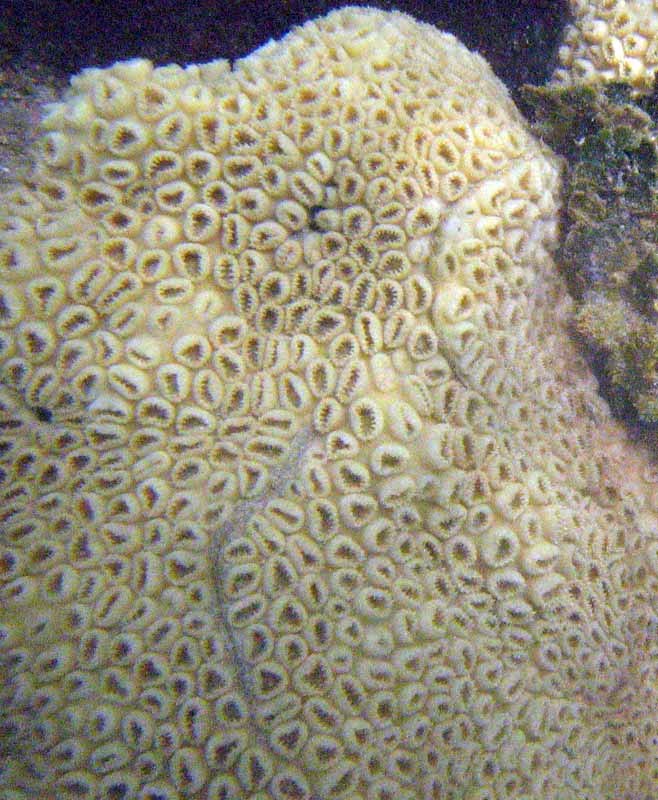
(304, 490)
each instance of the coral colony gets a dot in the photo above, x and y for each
(307, 491)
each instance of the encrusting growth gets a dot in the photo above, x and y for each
(599, 111)
(304, 491)
(609, 247)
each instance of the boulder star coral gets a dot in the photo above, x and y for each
(610, 40)
(304, 491)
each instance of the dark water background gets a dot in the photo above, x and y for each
(517, 37)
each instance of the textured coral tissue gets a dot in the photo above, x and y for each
(305, 493)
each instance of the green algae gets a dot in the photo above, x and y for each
(609, 244)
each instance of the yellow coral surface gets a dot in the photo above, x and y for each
(611, 40)
(304, 493)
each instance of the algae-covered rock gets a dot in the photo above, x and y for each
(609, 244)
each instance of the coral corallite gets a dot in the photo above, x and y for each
(304, 492)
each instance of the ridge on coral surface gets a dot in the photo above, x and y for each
(305, 492)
